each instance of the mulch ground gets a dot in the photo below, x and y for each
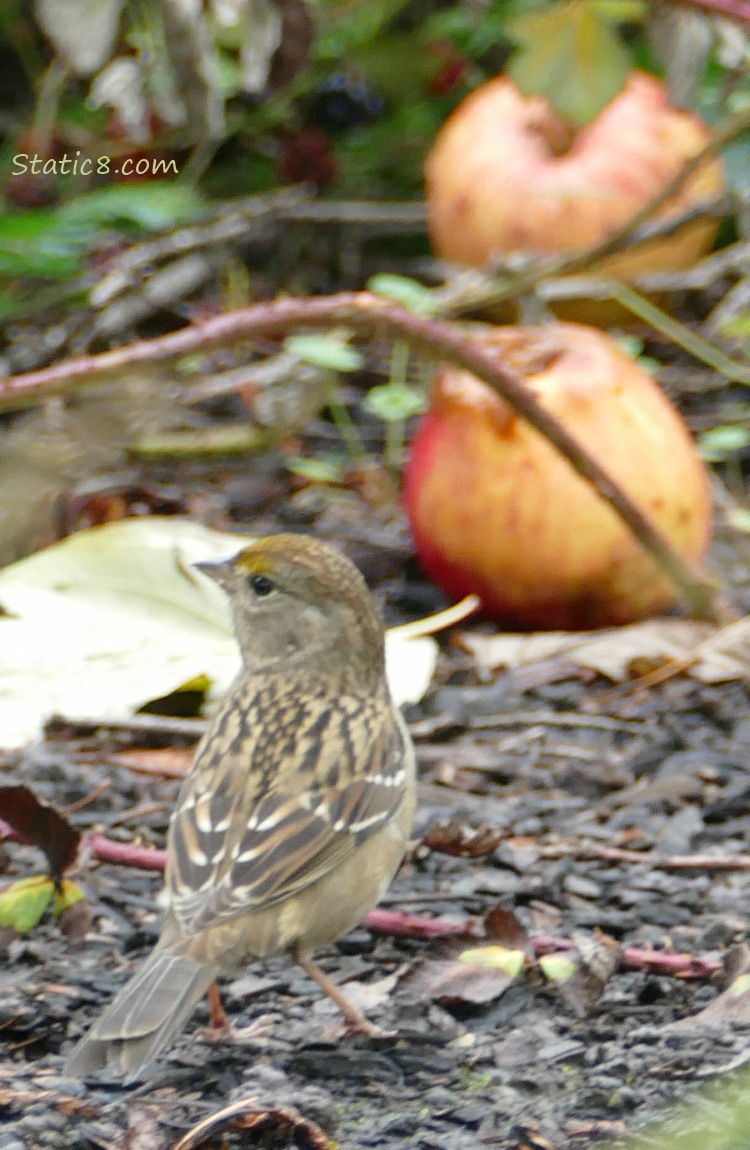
(558, 769)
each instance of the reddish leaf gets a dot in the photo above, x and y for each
(75, 921)
(454, 838)
(41, 825)
(504, 928)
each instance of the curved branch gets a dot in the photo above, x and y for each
(369, 314)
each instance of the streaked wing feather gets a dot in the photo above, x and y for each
(289, 842)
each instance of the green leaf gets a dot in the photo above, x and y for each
(411, 294)
(621, 11)
(328, 470)
(631, 344)
(324, 351)
(68, 895)
(23, 904)
(717, 445)
(349, 26)
(53, 244)
(739, 519)
(394, 401)
(33, 244)
(151, 206)
(494, 958)
(738, 325)
(570, 55)
(557, 967)
(475, 31)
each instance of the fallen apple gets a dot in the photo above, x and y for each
(507, 174)
(496, 510)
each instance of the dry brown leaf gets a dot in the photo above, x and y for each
(702, 650)
(277, 1122)
(42, 825)
(505, 928)
(733, 1004)
(366, 996)
(169, 762)
(462, 841)
(475, 976)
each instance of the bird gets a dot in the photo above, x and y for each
(297, 810)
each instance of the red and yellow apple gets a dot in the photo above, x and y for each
(507, 174)
(496, 510)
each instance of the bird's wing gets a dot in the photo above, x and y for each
(288, 842)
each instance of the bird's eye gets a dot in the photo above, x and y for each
(261, 585)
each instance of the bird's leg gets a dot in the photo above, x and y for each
(355, 1020)
(223, 1030)
(219, 1020)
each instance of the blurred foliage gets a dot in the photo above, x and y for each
(54, 243)
(375, 78)
(573, 56)
(345, 95)
(721, 444)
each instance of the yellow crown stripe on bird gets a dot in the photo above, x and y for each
(263, 555)
(310, 772)
(288, 547)
(254, 561)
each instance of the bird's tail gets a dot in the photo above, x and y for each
(150, 1010)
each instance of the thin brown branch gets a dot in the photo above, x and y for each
(368, 314)
(400, 924)
(148, 858)
(714, 864)
(126, 854)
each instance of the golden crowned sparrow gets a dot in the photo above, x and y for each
(298, 807)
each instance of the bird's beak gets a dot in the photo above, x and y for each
(218, 571)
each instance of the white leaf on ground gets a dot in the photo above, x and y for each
(409, 666)
(365, 996)
(117, 616)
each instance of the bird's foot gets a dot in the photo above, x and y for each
(228, 1032)
(366, 1028)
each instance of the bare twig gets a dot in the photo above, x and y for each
(126, 854)
(680, 334)
(369, 314)
(157, 726)
(713, 864)
(403, 925)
